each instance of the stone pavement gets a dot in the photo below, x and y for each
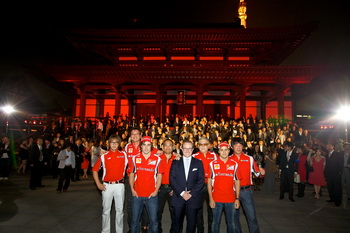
(79, 210)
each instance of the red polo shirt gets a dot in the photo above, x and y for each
(113, 165)
(131, 151)
(223, 176)
(210, 156)
(165, 165)
(145, 171)
(247, 166)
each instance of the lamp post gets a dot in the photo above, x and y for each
(344, 114)
(8, 110)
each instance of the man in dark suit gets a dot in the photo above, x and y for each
(187, 181)
(288, 170)
(78, 150)
(36, 161)
(333, 174)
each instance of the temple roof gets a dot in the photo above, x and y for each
(245, 75)
(259, 46)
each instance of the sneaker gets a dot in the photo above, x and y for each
(1, 178)
(6, 178)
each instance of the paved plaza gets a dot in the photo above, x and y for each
(79, 210)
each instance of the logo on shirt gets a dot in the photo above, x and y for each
(230, 167)
(130, 150)
(216, 166)
(152, 162)
(138, 160)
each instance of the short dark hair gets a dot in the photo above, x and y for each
(289, 144)
(237, 140)
(168, 140)
(136, 128)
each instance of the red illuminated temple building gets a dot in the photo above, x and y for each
(218, 69)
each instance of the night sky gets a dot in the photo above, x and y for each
(31, 32)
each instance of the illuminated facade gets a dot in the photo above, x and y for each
(222, 70)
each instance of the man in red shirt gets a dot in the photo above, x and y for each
(206, 157)
(165, 191)
(224, 188)
(132, 149)
(114, 164)
(247, 166)
(145, 180)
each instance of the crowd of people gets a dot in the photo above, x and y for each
(145, 150)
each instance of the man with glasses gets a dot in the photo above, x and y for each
(206, 157)
(114, 164)
(187, 181)
(145, 180)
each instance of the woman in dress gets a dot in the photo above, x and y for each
(316, 177)
(95, 152)
(271, 171)
(23, 155)
(301, 170)
(86, 158)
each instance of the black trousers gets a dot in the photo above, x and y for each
(301, 189)
(65, 175)
(179, 215)
(36, 176)
(163, 197)
(286, 185)
(200, 217)
(335, 189)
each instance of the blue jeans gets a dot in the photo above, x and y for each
(151, 205)
(228, 208)
(247, 203)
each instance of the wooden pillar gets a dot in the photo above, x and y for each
(280, 100)
(280, 103)
(158, 104)
(101, 104)
(200, 108)
(232, 104)
(81, 90)
(163, 109)
(263, 108)
(117, 105)
(131, 108)
(242, 98)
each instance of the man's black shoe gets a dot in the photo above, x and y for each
(281, 198)
(329, 200)
(291, 199)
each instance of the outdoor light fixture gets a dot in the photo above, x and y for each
(8, 109)
(344, 114)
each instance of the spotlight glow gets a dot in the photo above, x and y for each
(8, 109)
(343, 113)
